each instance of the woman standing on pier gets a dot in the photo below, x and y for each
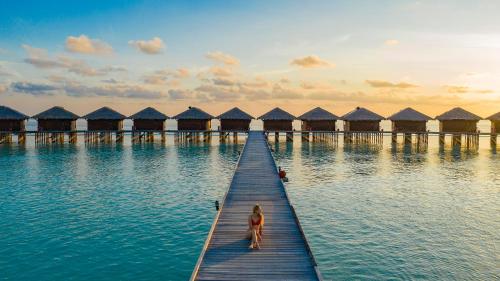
(255, 226)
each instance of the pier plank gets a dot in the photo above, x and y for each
(284, 253)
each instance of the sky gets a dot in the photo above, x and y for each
(382, 55)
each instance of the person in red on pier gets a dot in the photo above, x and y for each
(281, 173)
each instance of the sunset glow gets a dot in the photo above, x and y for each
(384, 55)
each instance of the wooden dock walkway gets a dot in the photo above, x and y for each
(284, 253)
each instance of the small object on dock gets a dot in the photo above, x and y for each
(217, 206)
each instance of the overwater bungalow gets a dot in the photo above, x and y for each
(56, 119)
(495, 123)
(54, 123)
(148, 119)
(277, 120)
(235, 120)
(12, 120)
(193, 119)
(458, 120)
(362, 120)
(495, 128)
(104, 119)
(409, 120)
(318, 119)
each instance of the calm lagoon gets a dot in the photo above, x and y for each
(142, 212)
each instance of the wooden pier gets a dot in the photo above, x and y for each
(284, 253)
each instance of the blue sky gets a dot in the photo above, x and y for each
(385, 55)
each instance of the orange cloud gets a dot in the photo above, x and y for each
(310, 62)
(387, 84)
(85, 45)
(465, 89)
(223, 58)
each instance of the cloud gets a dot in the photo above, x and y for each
(3, 89)
(220, 71)
(161, 77)
(387, 84)
(33, 89)
(222, 58)
(3, 51)
(40, 59)
(155, 79)
(152, 47)
(85, 45)
(223, 82)
(182, 73)
(110, 81)
(315, 86)
(280, 92)
(113, 90)
(311, 62)
(113, 68)
(180, 94)
(391, 42)
(465, 89)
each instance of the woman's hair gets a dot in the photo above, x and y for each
(256, 208)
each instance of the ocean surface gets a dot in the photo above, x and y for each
(142, 212)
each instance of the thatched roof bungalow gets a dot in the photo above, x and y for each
(495, 123)
(458, 120)
(193, 119)
(56, 119)
(12, 120)
(318, 119)
(362, 120)
(104, 119)
(235, 120)
(409, 120)
(277, 120)
(149, 119)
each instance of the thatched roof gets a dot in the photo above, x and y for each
(409, 114)
(494, 117)
(104, 113)
(56, 113)
(149, 113)
(318, 114)
(458, 113)
(277, 114)
(193, 113)
(7, 113)
(362, 114)
(235, 114)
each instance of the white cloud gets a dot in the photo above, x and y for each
(151, 47)
(86, 45)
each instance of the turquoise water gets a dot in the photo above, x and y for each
(377, 213)
(108, 213)
(142, 212)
